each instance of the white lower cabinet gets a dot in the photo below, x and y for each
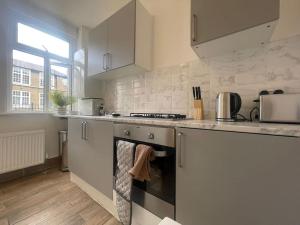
(91, 153)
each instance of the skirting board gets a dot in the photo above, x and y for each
(96, 195)
(49, 164)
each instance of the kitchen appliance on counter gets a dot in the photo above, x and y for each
(228, 105)
(280, 108)
(157, 195)
(91, 107)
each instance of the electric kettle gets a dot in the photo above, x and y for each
(228, 105)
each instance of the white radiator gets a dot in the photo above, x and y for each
(20, 150)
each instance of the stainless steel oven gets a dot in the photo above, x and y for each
(157, 195)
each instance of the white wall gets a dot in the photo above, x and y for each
(15, 123)
(172, 29)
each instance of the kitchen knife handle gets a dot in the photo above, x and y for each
(179, 150)
(194, 93)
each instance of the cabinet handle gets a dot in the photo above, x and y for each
(194, 28)
(85, 131)
(103, 62)
(82, 137)
(179, 150)
(109, 59)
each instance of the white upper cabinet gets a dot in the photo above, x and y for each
(121, 35)
(220, 26)
(122, 44)
(97, 49)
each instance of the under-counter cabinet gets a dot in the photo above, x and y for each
(121, 44)
(91, 153)
(228, 178)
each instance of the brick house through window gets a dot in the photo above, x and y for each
(28, 85)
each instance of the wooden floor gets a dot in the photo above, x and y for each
(49, 198)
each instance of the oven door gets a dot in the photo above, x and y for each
(158, 194)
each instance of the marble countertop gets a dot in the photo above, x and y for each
(245, 127)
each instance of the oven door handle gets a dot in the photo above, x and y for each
(180, 150)
(161, 154)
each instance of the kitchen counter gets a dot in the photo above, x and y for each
(244, 127)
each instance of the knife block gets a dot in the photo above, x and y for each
(198, 110)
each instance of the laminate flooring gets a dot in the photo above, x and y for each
(49, 199)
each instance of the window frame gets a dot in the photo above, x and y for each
(14, 45)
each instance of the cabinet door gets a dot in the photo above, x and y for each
(230, 178)
(212, 19)
(77, 147)
(97, 48)
(100, 144)
(92, 159)
(121, 37)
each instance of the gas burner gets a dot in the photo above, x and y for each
(159, 116)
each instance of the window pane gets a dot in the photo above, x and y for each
(37, 39)
(16, 99)
(41, 99)
(41, 79)
(25, 99)
(16, 75)
(60, 79)
(26, 84)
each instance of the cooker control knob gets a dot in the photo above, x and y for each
(126, 132)
(150, 136)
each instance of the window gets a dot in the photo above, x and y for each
(21, 76)
(31, 81)
(53, 82)
(41, 101)
(38, 39)
(21, 99)
(16, 75)
(41, 81)
(16, 98)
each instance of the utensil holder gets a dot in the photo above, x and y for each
(198, 110)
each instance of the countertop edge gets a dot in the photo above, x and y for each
(289, 130)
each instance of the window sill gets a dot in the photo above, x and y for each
(25, 113)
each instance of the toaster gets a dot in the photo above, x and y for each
(91, 106)
(280, 108)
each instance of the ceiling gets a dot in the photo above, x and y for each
(81, 12)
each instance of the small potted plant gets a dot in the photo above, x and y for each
(61, 101)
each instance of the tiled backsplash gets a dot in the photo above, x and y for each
(169, 90)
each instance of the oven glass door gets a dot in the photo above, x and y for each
(162, 173)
